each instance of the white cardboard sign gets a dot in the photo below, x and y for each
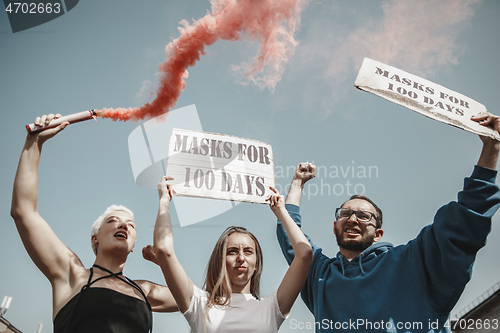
(423, 96)
(218, 166)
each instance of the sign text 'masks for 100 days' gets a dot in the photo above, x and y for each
(423, 96)
(219, 166)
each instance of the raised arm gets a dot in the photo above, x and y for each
(446, 249)
(489, 153)
(177, 280)
(303, 173)
(48, 253)
(296, 274)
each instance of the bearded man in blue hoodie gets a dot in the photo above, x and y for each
(373, 286)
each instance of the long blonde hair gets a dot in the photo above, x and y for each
(217, 282)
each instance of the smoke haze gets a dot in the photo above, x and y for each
(271, 23)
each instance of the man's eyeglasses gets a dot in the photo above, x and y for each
(361, 215)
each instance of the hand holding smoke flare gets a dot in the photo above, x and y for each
(72, 118)
(270, 22)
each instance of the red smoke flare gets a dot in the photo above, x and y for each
(270, 22)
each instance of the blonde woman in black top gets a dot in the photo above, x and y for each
(99, 299)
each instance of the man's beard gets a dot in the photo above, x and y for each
(351, 245)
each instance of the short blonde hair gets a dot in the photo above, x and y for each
(100, 220)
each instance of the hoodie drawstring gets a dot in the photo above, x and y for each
(361, 255)
(360, 265)
(342, 264)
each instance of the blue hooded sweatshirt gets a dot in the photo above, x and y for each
(407, 288)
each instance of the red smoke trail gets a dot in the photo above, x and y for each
(270, 22)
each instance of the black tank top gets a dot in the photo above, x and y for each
(99, 310)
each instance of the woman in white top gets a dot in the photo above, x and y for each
(230, 301)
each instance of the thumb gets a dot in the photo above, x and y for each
(50, 132)
(61, 127)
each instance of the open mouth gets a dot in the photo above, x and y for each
(352, 232)
(121, 234)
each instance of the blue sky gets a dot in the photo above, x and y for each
(106, 54)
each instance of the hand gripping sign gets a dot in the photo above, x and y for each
(422, 96)
(219, 166)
